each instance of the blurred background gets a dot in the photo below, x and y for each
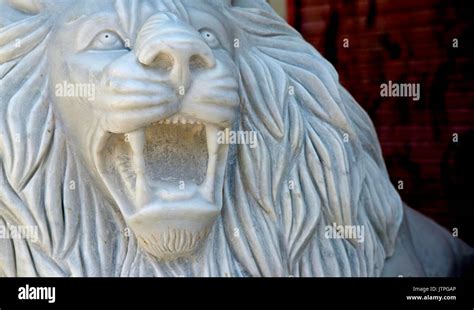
(427, 144)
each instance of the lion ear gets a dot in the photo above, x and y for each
(27, 6)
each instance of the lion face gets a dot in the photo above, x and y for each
(163, 88)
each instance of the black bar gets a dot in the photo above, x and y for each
(306, 293)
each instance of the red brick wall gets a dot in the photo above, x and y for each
(409, 41)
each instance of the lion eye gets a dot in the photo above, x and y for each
(106, 41)
(210, 38)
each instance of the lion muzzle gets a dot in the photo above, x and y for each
(168, 44)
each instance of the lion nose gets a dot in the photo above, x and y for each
(180, 59)
(174, 48)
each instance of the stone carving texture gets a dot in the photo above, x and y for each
(112, 113)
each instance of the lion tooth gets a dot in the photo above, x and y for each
(191, 121)
(137, 144)
(207, 186)
(183, 121)
(175, 121)
(167, 121)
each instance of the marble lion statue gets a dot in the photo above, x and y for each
(124, 146)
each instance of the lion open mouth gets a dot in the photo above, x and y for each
(167, 179)
(170, 160)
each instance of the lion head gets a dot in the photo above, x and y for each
(110, 144)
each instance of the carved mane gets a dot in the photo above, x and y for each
(318, 162)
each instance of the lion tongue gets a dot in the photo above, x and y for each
(142, 188)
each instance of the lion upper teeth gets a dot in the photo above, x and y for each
(179, 119)
(137, 144)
